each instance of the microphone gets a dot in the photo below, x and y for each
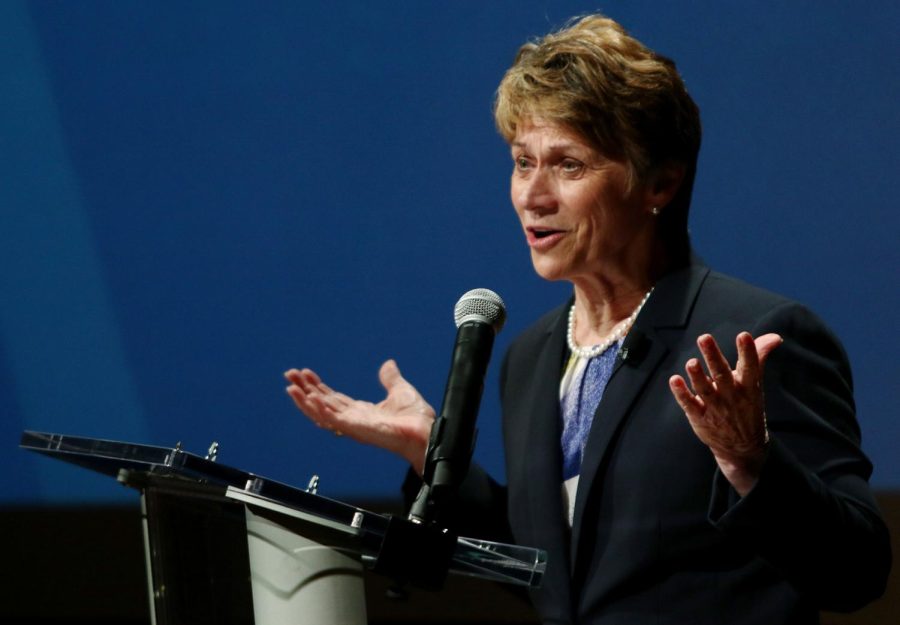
(479, 316)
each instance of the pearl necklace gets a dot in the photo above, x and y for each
(618, 332)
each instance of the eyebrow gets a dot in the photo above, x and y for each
(553, 147)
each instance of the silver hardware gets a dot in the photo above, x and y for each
(313, 486)
(170, 457)
(357, 521)
(213, 452)
(253, 485)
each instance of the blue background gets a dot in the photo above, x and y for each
(196, 196)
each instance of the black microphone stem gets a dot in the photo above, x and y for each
(453, 433)
(479, 315)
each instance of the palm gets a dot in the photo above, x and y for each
(400, 423)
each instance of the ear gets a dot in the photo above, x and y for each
(664, 185)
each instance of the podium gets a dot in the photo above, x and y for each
(223, 545)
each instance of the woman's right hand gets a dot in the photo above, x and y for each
(400, 423)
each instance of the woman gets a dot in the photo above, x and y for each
(659, 497)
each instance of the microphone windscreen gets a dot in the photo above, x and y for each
(482, 305)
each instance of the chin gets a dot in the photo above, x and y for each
(549, 271)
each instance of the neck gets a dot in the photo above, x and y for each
(595, 321)
(602, 301)
(616, 334)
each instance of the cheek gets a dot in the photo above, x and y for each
(520, 214)
(513, 188)
(513, 197)
(596, 231)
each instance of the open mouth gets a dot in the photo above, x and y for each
(543, 233)
(541, 237)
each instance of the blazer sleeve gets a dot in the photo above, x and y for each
(811, 514)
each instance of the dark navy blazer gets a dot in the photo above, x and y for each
(659, 536)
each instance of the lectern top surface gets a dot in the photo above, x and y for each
(499, 562)
(111, 457)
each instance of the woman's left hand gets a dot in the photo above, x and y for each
(725, 407)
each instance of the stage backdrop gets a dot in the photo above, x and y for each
(196, 196)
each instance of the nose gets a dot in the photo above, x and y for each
(534, 193)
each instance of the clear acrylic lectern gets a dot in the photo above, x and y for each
(226, 546)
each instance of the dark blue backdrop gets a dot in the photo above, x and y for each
(196, 196)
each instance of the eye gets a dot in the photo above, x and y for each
(571, 166)
(522, 163)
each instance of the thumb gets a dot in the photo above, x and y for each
(765, 345)
(389, 375)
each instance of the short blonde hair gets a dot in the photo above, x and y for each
(594, 78)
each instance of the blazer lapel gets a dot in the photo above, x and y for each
(640, 357)
(540, 456)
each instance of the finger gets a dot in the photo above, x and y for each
(312, 385)
(700, 382)
(311, 380)
(315, 404)
(719, 369)
(690, 405)
(296, 395)
(765, 345)
(747, 369)
(312, 410)
(389, 375)
(752, 354)
(305, 379)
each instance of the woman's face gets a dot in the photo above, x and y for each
(579, 220)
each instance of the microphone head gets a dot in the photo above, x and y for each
(482, 305)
